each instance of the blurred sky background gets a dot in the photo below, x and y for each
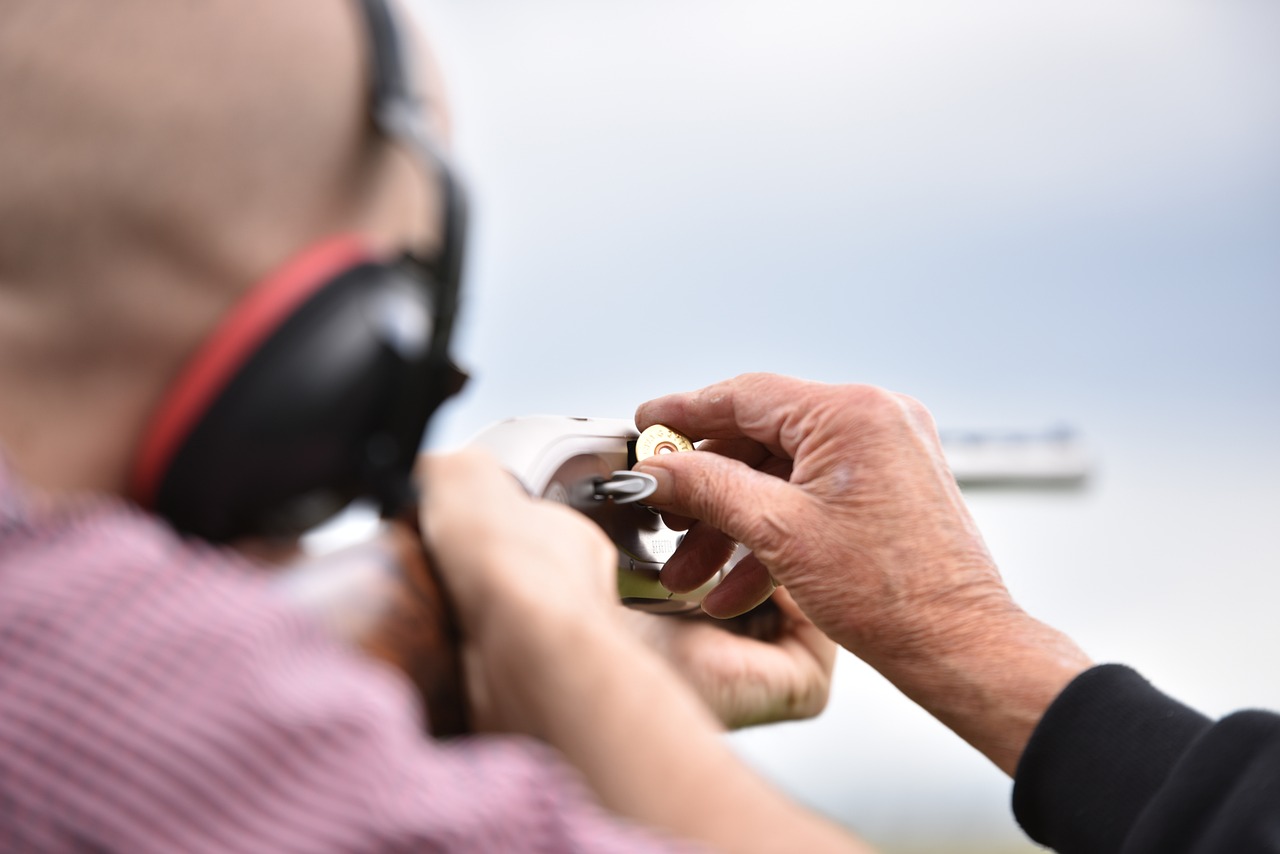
(1025, 214)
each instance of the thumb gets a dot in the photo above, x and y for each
(748, 505)
(454, 485)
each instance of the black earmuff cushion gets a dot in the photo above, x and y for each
(307, 421)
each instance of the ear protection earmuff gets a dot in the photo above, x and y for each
(316, 389)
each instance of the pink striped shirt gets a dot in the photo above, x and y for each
(155, 696)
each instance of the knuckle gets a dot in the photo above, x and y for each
(755, 378)
(872, 400)
(918, 414)
(881, 411)
(706, 494)
(771, 532)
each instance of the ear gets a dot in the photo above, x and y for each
(294, 406)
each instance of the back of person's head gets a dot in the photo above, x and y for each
(156, 160)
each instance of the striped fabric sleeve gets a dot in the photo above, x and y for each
(154, 696)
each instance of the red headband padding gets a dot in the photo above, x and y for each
(225, 351)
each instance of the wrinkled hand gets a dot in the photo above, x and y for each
(783, 675)
(842, 494)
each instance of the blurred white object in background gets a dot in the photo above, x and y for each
(1055, 459)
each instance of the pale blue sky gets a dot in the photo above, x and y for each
(1023, 214)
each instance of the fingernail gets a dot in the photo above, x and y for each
(665, 490)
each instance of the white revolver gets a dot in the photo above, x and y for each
(586, 464)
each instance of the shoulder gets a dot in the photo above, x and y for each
(155, 694)
(88, 564)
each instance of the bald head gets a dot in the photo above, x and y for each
(157, 160)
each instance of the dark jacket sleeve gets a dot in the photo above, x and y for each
(1117, 766)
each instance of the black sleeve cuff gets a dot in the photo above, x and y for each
(1100, 752)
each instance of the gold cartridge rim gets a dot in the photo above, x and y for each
(661, 439)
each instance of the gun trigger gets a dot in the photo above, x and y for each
(625, 487)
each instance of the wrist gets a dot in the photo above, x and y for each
(990, 680)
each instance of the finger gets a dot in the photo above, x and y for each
(764, 623)
(701, 554)
(745, 587)
(456, 483)
(787, 605)
(819, 646)
(746, 451)
(751, 507)
(763, 407)
(465, 475)
(676, 522)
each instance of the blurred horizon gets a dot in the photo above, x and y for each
(1025, 216)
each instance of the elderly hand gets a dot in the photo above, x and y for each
(843, 495)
